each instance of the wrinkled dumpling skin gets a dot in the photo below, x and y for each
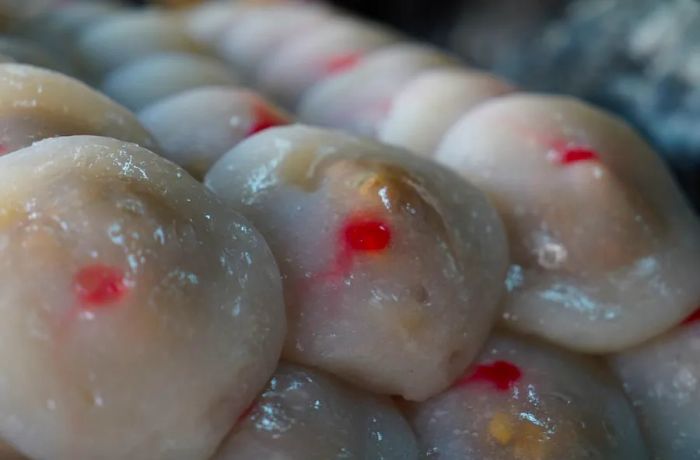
(332, 47)
(306, 415)
(148, 80)
(662, 378)
(128, 36)
(425, 109)
(605, 249)
(524, 401)
(140, 316)
(392, 265)
(196, 127)
(358, 99)
(37, 103)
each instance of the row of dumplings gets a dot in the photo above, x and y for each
(162, 313)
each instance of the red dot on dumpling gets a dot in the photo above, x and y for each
(577, 154)
(367, 235)
(501, 374)
(694, 317)
(99, 285)
(342, 62)
(265, 117)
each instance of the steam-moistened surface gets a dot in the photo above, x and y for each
(264, 29)
(150, 79)
(140, 316)
(662, 378)
(427, 107)
(392, 265)
(333, 47)
(358, 99)
(37, 103)
(523, 401)
(195, 128)
(306, 415)
(128, 36)
(605, 249)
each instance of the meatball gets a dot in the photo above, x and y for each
(196, 127)
(359, 98)
(306, 415)
(332, 47)
(150, 79)
(524, 401)
(605, 249)
(37, 103)
(392, 265)
(128, 36)
(140, 316)
(425, 109)
(662, 378)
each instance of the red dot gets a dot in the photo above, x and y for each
(247, 412)
(694, 317)
(576, 154)
(3, 150)
(99, 285)
(265, 118)
(501, 374)
(341, 62)
(367, 235)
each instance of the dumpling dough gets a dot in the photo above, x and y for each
(332, 47)
(306, 415)
(209, 21)
(37, 103)
(27, 52)
(605, 249)
(148, 80)
(127, 36)
(524, 401)
(196, 127)
(58, 29)
(392, 265)
(427, 106)
(358, 99)
(263, 29)
(140, 316)
(662, 378)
